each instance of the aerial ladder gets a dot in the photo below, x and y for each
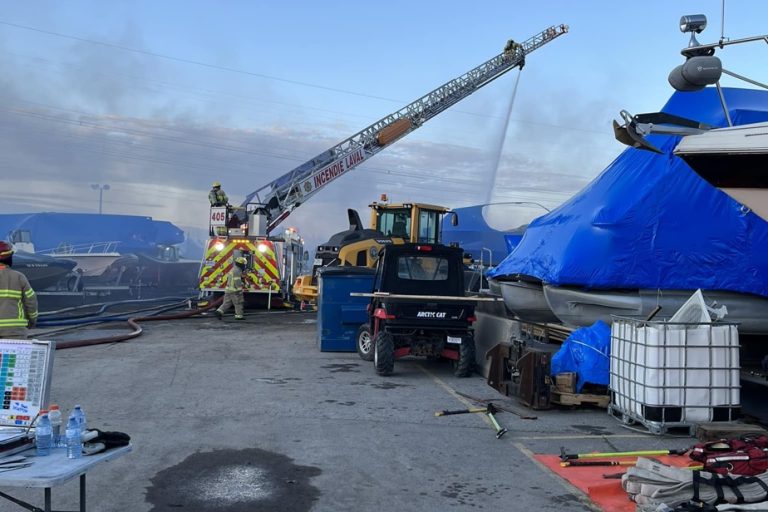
(280, 197)
(265, 208)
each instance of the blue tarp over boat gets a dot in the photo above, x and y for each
(135, 234)
(648, 221)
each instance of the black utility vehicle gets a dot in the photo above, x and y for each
(419, 307)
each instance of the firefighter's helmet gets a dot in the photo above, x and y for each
(241, 261)
(216, 184)
(6, 249)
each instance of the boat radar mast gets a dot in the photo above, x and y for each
(700, 69)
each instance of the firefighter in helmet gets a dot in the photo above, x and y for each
(233, 294)
(217, 196)
(18, 303)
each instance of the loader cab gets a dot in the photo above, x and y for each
(411, 222)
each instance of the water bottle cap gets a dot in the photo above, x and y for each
(43, 411)
(54, 407)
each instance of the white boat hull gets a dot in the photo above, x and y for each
(526, 301)
(579, 307)
(90, 265)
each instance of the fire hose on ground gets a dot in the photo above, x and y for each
(651, 484)
(131, 319)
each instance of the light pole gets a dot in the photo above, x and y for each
(101, 189)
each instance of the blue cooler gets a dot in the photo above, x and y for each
(339, 316)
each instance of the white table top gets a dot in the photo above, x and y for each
(56, 468)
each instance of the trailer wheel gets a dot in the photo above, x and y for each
(365, 343)
(384, 353)
(466, 363)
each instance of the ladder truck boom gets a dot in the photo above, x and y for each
(279, 198)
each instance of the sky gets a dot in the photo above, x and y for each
(160, 99)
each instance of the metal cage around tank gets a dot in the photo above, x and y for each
(667, 375)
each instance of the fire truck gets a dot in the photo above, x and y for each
(274, 261)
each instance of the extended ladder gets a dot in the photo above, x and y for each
(280, 197)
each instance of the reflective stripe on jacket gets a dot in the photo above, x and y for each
(18, 303)
(235, 280)
(218, 198)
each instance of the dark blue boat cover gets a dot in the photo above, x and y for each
(135, 234)
(648, 221)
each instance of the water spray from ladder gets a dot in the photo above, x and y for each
(500, 143)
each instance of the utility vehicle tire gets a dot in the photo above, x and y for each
(384, 353)
(466, 364)
(365, 343)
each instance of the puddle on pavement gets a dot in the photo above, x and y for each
(249, 480)
(342, 367)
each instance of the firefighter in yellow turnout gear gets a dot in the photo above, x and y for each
(233, 295)
(217, 197)
(18, 303)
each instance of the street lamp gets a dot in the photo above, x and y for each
(101, 189)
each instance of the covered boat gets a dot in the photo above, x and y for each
(109, 250)
(648, 228)
(42, 271)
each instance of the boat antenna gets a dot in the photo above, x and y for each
(722, 22)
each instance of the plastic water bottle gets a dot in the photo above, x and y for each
(43, 434)
(74, 438)
(55, 416)
(80, 416)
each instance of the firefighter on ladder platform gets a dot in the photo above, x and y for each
(216, 196)
(233, 295)
(18, 303)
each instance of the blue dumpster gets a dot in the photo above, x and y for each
(339, 316)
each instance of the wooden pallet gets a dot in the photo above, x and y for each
(546, 333)
(706, 432)
(580, 399)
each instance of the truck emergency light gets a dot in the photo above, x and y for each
(424, 248)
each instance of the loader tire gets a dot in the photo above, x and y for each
(384, 353)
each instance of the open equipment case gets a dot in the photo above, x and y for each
(25, 376)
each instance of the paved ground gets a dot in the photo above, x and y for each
(251, 416)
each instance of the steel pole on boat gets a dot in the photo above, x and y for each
(722, 102)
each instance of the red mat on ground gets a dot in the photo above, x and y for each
(605, 493)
